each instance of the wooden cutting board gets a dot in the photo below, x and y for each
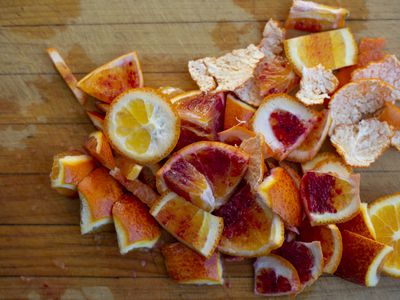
(42, 254)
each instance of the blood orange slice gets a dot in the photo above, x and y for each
(284, 123)
(275, 276)
(205, 173)
(250, 228)
(112, 79)
(330, 199)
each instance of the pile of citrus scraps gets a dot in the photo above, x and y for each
(236, 168)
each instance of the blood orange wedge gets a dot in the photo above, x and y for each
(205, 173)
(191, 225)
(68, 169)
(313, 17)
(134, 225)
(339, 50)
(98, 192)
(362, 259)
(97, 145)
(313, 142)
(67, 75)
(186, 266)
(256, 169)
(327, 162)
(384, 213)
(142, 125)
(360, 224)
(307, 259)
(236, 112)
(250, 228)
(112, 79)
(235, 135)
(129, 169)
(331, 243)
(330, 199)
(279, 192)
(284, 123)
(201, 116)
(275, 276)
(97, 119)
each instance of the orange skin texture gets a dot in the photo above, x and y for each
(183, 264)
(236, 110)
(124, 164)
(136, 219)
(358, 254)
(356, 225)
(101, 192)
(96, 118)
(391, 114)
(105, 155)
(285, 197)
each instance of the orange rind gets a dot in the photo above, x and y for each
(256, 167)
(112, 79)
(189, 224)
(360, 224)
(237, 112)
(98, 146)
(170, 91)
(102, 106)
(129, 169)
(235, 135)
(134, 225)
(98, 192)
(97, 119)
(186, 266)
(327, 162)
(391, 115)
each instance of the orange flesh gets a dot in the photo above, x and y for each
(236, 111)
(105, 155)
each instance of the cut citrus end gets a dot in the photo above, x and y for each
(330, 199)
(290, 169)
(391, 115)
(275, 276)
(384, 213)
(142, 125)
(250, 228)
(115, 77)
(362, 259)
(256, 168)
(98, 192)
(170, 91)
(279, 192)
(191, 225)
(134, 225)
(129, 169)
(331, 243)
(360, 224)
(313, 142)
(235, 135)
(333, 49)
(68, 169)
(327, 162)
(97, 145)
(205, 173)
(284, 122)
(97, 119)
(186, 266)
(307, 258)
(237, 112)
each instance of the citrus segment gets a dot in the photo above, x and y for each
(191, 225)
(385, 217)
(186, 266)
(333, 49)
(250, 229)
(97, 145)
(142, 125)
(360, 224)
(134, 225)
(112, 79)
(362, 259)
(275, 276)
(236, 112)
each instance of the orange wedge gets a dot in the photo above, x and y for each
(333, 49)
(331, 243)
(67, 75)
(327, 162)
(134, 225)
(98, 192)
(186, 266)
(235, 135)
(68, 169)
(112, 79)
(362, 259)
(290, 169)
(391, 115)
(385, 217)
(189, 224)
(256, 169)
(279, 192)
(142, 125)
(275, 276)
(314, 17)
(360, 224)
(236, 112)
(97, 145)
(129, 169)
(251, 229)
(96, 118)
